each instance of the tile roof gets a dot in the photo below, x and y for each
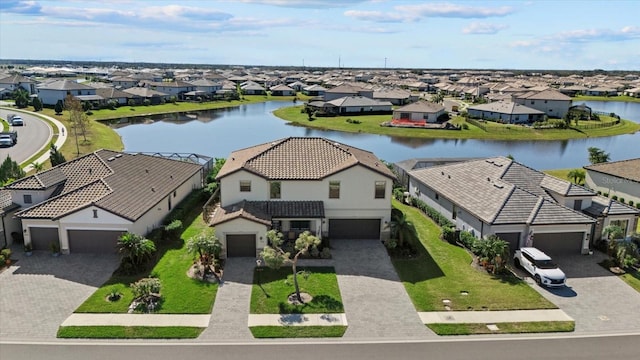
(601, 206)
(263, 211)
(300, 158)
(421, 107)
(135, 183)
(346, 89)
(548, 94)
(358, 101)
(626, 169)
(505, 107)
(64, 85)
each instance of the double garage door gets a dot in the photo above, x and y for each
(559, 243)
(354, 229)
(80, 241)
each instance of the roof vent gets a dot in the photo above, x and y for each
(499, 186)
(90, 171)
(449, 176)
(488, 179)
(273, 143)
(153, 189)
(442, 172)
(119, 155)
(146, 170)
(111, 159)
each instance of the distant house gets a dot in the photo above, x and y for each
(124, 82)
(601, 91)
(172, 88)
(85, 204)
(110, 93)
(506, 112)
(314, 90)
(395, 96)
(553, 103)
(635, 92)
(332, 190)
(207, 86)
(345, 90)
(13, 82)
(297, 86)
(52, 92)
(616, 178)
(282, 90)
(355, 105)
(419, 112)
(139, 94)
(520, 205)
(252, 88)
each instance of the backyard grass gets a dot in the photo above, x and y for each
(128, 332)
(623, 98)
(504, 328)
(633, 279)
(443, 271)
(180, 294)
(371, 124)
(297, 331)
(271, 288)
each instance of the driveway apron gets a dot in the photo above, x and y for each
(230, 312)
(39, 292)
(599, 301)
(375, 301)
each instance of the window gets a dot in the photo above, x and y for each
(623, 224)
(300, 225)
(577, 205)
(27, 199)
(169, 203)
(245, 185)
(454, 212)
(405, 116)
(175, 193)
(274, 191)
(532, 102)
(437, 196)
(95, 214)
(334, 189)
(381, 186)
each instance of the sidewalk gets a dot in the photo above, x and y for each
(297, 320)
(488, 317)
(201, 321)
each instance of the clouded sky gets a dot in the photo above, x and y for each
(408, 34)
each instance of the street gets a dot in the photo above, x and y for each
(31, 138)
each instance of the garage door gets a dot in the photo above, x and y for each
(559, 243)
(512, 238)
(354, 229)
(41, 238)
(241, 246)
(93, 241)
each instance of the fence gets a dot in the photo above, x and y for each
(597, 126)
(513, 127)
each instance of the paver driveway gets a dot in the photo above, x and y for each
(38, 293)
(598, 300)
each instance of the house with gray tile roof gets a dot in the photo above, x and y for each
(52, 92)
(85, 204)
(507, 112)
(295, 184)
(616, 178)
(552, 102)
(519, 204)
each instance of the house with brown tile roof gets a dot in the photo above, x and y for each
(519, 204)
(295, 184)
(85, 204)
(616, 178)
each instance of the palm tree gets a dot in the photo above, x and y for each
(402, 228)
(437, 98)
(37, 166)
(597, 156)
(576, 175)
(135, 249)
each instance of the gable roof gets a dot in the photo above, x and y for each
(127, 185)
(421, 107)
(15, 79)
(301, 158)
(505, 107)
(500, 191)
(346, 89)
(358, 101)
(626, 169)
(263, 211)
(548, 94)
(63, 85)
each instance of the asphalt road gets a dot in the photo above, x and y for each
(534, 348)
(31, 137)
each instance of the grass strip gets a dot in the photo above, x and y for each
(262, 332)
(128, 332)
(504, 328)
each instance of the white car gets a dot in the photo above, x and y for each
(17, 121)
(540, 266)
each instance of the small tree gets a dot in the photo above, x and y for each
(37, 166)
(37, 104)
(597, 155)
(58, 107)
(577, 175)
(56, 156)
(146, 292)
(135, 249)
(274, 257)
(401, 228)
(206, 248)
(21, 97)
(10, 171)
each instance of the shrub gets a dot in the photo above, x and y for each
(605, 194)
(146, 102)
(614, 197)
(465, 126)
(467, 239)
(131, 102)
(622, 200)
(638, 205)
(173, 229)
(398, 194)
(449, 235)
(431, 212)
(391, 244)
(352, 121)
(325, 253)
(6, 253)
(2, 260)
(146, 292)
(631, 203)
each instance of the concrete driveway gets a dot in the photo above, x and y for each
(39, 292)
(599, 301)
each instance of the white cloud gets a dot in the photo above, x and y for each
(319, 4)
(379, 16)
(483, 28)
(455, 11)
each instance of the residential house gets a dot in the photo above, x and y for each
(85, 204)
(139, 94)
(314, 90)
(252, 88)
(395, 96)
(616, 178)
(52, 92)
(172, 88)
(634, 92)
(124, 82)
(296, 184)
(419, 112)
(110, 93)
(344, 90)
(354, 105)
(552, 102)
(521, 205)
(507, 112)
(297, 86)
(209, 87)
(10, 228)
(601, 91)
(13, 82)
(282, 90)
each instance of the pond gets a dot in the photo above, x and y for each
(218, 132)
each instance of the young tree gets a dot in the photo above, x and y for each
(37, 104)
(77, 118)
(56, 156)
(135, 249)
(37, 166)
(402, 228)
(577, 175)
(274, 257)
(58, 107)
(597, 155)
(10, 171)
(206, 248)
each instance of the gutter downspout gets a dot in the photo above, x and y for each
(4, 232)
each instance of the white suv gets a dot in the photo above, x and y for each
(540, 266)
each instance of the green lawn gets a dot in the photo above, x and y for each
(297, 331)
(180, 294)
(504, 328)
(633, 279)
(444, 270)
(577, 99)
(271, 289)
(371, 124)
(128, 332)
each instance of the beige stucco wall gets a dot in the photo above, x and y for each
(622, 188)
(239, 227)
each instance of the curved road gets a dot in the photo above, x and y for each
(31, 138)
(533, 348)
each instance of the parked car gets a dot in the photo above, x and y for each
(540, 266)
